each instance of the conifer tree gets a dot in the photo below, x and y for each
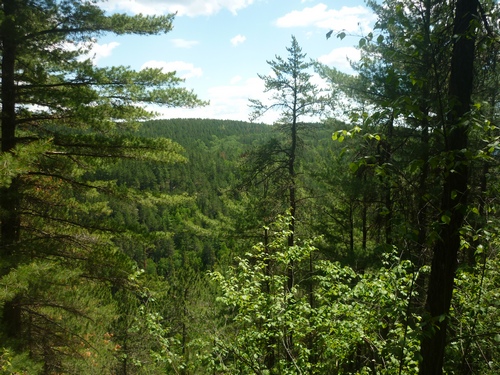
(62, 117)
(295, 97)
(275, 165)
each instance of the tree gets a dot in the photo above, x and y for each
(427, 110)
(61, 117)
(275, 165)
(295, 97)
(357, 324)
(455, 186)
(397, 87)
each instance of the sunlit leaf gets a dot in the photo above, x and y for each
(445, 219)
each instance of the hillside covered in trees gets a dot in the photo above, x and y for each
(363, 244)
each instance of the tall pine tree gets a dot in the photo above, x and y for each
(62, 117)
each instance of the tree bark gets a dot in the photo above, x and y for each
(293, 208)
(454, 193)
(9, 231)
(10, 221)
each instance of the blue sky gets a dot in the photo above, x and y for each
(219, 46)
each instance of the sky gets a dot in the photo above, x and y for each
(220, 46)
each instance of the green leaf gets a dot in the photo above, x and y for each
(479, 250)
(416, 165)
(341, 35)
(362, 42)
(353, 167)
(445, 218)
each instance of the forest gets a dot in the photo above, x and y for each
(367, 243)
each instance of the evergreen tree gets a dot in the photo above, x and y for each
(61, 117)
(275, 166)
(295, 97)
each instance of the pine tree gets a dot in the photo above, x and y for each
(275, 166)
(62, 117)
(295, 97)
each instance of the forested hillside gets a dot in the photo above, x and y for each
(366, 243)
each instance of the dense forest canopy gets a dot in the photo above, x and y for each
(367, 245)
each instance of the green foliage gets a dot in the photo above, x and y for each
(292, 92)
(420, 133)
(272, 170)
(20, 161)
(358, 323)
(69, 318)
(475, 316)
(17, 364)
(63, 119)
(143, 343)
(108, 227)
(265, 312)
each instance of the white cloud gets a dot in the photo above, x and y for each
(226, 102)
(231, 101)
(238, 39)
(183, 69)
(183, 43)
(191, 8)
(351, 19)
(320, 83)
(98, 51)
(235, 80)
(91, 50)
(148, 7)
(339, 57)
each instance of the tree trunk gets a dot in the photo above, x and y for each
(10, 221)
(454, 198)
(364, 217)
(389, 204)
(293, 207)
(8, 199)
